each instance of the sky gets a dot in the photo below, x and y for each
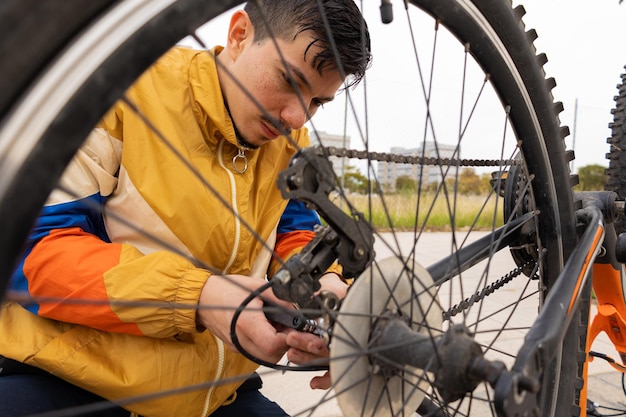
(584, 42)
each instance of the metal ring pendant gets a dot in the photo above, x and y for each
(237, 161)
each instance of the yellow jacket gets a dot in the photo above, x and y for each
(119, 351)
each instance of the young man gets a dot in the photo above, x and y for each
(236, 115)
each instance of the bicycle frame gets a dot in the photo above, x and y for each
(608, 285)
(542, 344)
(593, 261)
(540, 355)
(609, 279)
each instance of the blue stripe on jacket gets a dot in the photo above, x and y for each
(297, 217)
(84, 213)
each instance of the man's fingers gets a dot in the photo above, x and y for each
(307, 342)
(306, 348)
(321, 382)
(260, 338)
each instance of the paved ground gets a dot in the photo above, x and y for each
(292, 392)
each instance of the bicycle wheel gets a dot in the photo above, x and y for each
(505, 121)
(617, 142)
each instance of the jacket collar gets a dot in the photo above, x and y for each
(207, 94)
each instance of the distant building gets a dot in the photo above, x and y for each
(337, 141)
(388, 172)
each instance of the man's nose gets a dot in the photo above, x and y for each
(294, 115)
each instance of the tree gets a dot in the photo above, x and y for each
(406, 183)
(470, 183)
(353, 180)
(591, 178)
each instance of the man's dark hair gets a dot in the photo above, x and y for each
(286, 19)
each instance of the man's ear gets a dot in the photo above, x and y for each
(240, 33)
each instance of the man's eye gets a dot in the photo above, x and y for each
(318, 103)
(288, 80)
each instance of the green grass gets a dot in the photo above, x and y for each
(433, 214)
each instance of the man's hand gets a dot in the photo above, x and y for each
(221, 295)
(333, 283)
(307, 348)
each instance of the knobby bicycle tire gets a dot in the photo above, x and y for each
(616, 172)
(38, 137)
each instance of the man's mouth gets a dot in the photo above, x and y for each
(269, 132)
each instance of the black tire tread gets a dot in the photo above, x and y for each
(616, 172)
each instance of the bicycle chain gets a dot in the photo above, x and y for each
(412, 159)
(421, 160)
(488, 290)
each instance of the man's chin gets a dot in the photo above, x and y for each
(247, 144)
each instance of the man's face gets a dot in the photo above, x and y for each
(259, 67)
